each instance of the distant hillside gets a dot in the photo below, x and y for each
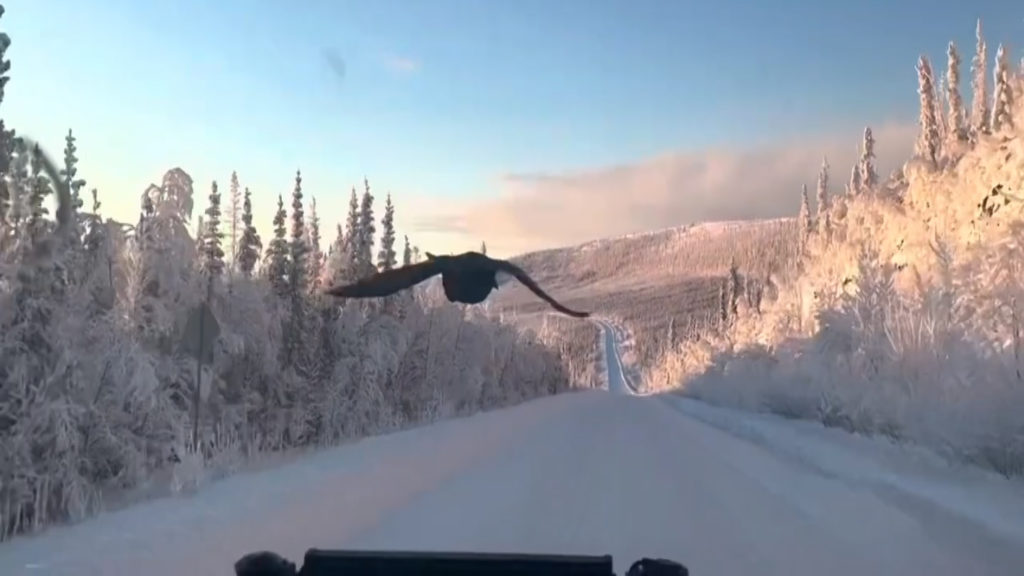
(647, 279)
(655, 260)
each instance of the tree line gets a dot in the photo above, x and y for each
(100, 396)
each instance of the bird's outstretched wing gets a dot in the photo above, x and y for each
(387, 282)
(525, 280)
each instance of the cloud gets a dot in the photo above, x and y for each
(401, 64)
(532, 211)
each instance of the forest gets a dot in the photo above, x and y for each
(145, 358)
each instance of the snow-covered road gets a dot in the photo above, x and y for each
(616, 377)
(726, 493)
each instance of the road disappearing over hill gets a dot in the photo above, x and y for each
(602, 471)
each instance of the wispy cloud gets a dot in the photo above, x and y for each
(534, 211)
(401, 64)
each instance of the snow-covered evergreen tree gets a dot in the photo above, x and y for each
(39, 190)
(250, 246)
(352, 222)
(316, 255)
(366, 233)
(855, 186)
(804, 218)
(234, 217)
(868, 175)
(824, 220)
(406, 252)
(339, 258)
(70, 174)
(213, 251)
(940, 108)
(723, 303)
(483, 248)
(94, 234)
(927, 146)
(387, 259)
(298, 279)
(979, 87)
(1002, 93)
(298, 274)
(277, 258)
(166, 262)
(956, 122)
(20, 187)
(736, 282)
(346, 260)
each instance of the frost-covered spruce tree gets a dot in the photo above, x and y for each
(39, 189)
(854, 187)
(316, 255)
(868, 175)
(387, 259)
(69, 173)
(234, 217)
(979, 87)
(406, 252)
(343, 264)
(940, 107)
(1002, 93)
(956, 123)
(723, 302)
(366, 233)
(213, 251)
(927, 146)
(250, 246)
(824, 205)
(804, 219)
(338, 258)
(483, 248)
(277, 256)
(298, 276)
(352, 226)
(95, 235)
(19, 187)
(299, 249)
(736, 282)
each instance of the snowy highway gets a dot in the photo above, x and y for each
(617, 382)
(724, 492)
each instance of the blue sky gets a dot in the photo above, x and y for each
(443, 97)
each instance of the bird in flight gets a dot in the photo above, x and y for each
(468, 278)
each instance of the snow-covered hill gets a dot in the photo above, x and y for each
(646, 258)
(648, 282)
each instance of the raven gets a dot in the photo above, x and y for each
(468, 278)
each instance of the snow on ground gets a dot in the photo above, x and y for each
(602, 471)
